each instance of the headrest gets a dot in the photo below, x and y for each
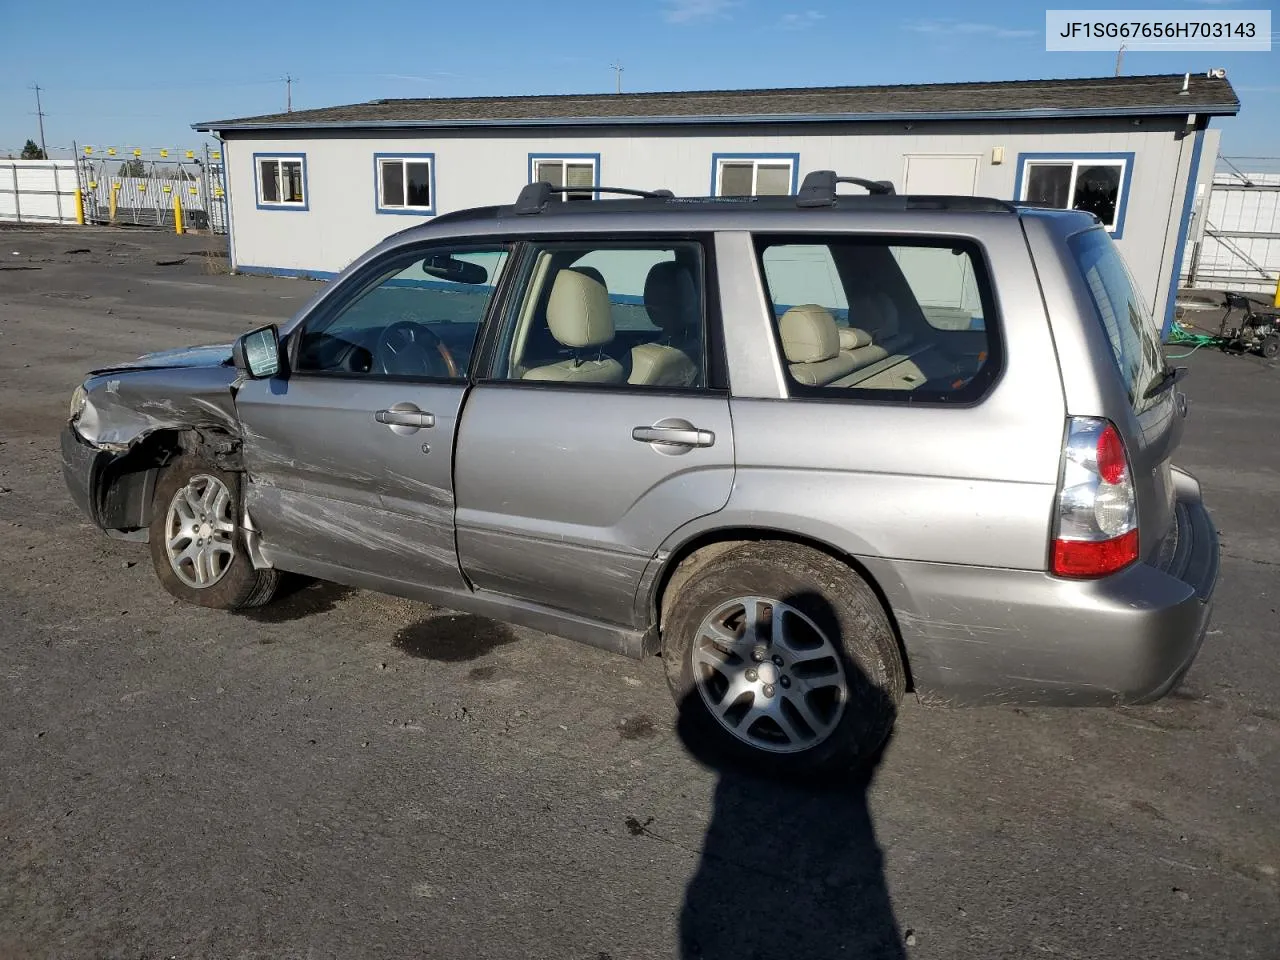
(809, 334)
(578, 311)
(851, 338)
(593, 273)
(670, 297)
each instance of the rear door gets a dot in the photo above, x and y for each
(1135, 347)
(350, 454)
(572, 465)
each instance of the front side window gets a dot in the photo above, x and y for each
(417, 314)
(607, 313)
(281, 181)
(575, 171)
(898, 318)
(406, 184)
(1123, 313)
(1098, 184)
(770, 175)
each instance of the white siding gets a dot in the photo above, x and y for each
(482, 167)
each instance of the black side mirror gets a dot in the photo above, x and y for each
(256, 354)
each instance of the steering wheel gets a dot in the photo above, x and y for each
(406, 348)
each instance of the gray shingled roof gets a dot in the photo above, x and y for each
(1092, 96)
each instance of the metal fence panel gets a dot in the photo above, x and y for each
(38, 191)
(1236, 235)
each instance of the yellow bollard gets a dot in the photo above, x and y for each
(79, 206)
(115, 193)
(1275, 302)
(177, 214)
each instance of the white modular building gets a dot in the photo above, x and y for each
(308, 191)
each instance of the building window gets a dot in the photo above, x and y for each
(406, 182)
(754, 175)
(567, 170)
(282, 181)
(1095, 182)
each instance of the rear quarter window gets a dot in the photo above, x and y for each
(902, 318)
(1122, 312)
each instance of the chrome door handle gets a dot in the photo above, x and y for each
(405, 418)
(674, 436)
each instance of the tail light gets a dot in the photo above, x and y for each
(1096, 528)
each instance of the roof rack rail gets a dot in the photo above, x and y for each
(534, 196)
(819, 188)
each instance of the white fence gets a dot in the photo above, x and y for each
(38, 191)
(1234, 238)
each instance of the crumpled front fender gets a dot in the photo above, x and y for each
(124, 407)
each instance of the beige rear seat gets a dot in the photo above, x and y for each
(811, 342)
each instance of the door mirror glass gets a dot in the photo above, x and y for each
(257, 353)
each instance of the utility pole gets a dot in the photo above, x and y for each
(1119, 58)
(40, 115)
(288, 93)
(617, 76)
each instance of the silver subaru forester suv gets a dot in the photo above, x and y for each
(815, 451)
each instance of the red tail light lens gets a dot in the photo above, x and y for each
(1094, 558)
(1112, 463)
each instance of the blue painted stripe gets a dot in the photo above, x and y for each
(1188, 202)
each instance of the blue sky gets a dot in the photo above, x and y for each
(117, 74)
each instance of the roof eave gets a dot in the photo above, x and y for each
(1214, 109)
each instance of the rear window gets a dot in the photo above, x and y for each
(1124, 315)
(899, 318)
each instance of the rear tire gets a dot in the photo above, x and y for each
(813, 690)
(197, 546)
(1270, 347)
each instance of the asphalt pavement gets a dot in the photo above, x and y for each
(344, 774)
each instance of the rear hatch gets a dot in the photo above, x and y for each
(1151, 422)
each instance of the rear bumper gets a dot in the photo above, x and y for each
(984, 635)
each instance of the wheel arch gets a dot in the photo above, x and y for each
(702, 548)
(126, 486)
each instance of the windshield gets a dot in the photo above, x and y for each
(1135, 344)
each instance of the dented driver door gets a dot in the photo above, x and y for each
(349, 456)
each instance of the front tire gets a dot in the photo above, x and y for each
(197, 547)
(783, 657)
(1270, 346)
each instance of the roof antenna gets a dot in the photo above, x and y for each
(617, 76)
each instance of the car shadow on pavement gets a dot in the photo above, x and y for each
(297, 598)
(788, 868)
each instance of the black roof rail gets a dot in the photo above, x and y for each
(819, 188)
(534, 196)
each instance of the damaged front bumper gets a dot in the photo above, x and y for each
(82, 468)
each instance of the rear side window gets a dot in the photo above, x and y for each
(1124, 316)
(882, 318)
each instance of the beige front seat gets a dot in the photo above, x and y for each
(671, 301)
(811, 342)
(579, 318)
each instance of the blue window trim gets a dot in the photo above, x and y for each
(717, 157)
(302, 207)
(403, 211)
(593, 157)
(1126, 181)
(1180, 246)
